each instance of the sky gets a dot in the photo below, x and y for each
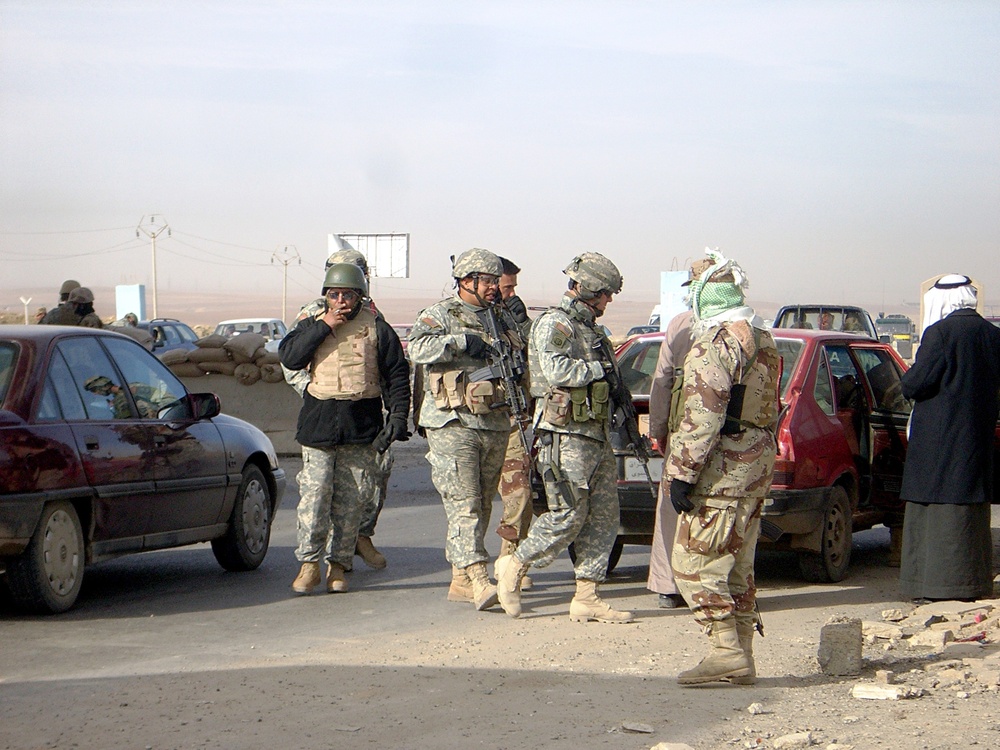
(840, 151)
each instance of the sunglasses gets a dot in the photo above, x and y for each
(347, 296)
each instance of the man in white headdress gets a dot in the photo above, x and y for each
(948, 477)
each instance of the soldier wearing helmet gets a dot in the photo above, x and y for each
(466, 420)
(64, 314)
(351, 356)
(569, 357)
(299, 379)
(83, 300)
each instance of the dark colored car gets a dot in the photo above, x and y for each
(103, 452)
(841, 446)
(169, 334)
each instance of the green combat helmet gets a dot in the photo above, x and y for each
(348, 256)
(346, 276)
(98, 383)
(81, 296)
(476, 260)
(595, 274)
(68, 286)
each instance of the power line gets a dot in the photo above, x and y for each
(67, 231)
(220, 242)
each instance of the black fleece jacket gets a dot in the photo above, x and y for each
(324, 423)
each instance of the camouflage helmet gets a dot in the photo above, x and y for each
(98, 382)
(349, 256)
(594, 273)
(81, 295)
(476, 260)
(68, 286)
(346, 276)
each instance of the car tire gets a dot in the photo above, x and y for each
(244, 545)
(613, 558)
(46, 578)
(830, 564)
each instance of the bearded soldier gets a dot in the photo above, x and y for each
(569, 359)
(349, 353)
(466, 420)
(719, 468)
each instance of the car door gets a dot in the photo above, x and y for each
(190, 462)
(115, 446)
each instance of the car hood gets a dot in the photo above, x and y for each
(235, 430)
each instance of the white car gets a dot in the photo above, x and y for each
(272, 329)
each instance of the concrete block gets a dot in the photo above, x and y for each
(840, 644)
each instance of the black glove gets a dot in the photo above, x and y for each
(394, 430)
(679, 491)
(517, 309)
(476, 348)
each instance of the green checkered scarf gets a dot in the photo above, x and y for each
(714, 297)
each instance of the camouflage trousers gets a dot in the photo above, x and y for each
(383, 468)
(515, 490)
(465, 469)
(334, 486)
(587, 518)
(713, 557)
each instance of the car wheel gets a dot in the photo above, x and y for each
(244, 544)
(831, 563)
(613, 558)
(47, 576)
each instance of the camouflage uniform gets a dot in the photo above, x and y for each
(515, 490)
(564, 353)
(63, 315)
(466, 450)
(714, 547)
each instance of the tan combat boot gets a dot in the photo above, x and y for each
(336, 583)
(461, 587)
(725, 661)
(307, 579)
(484, 593)
(744, 630)
(367, 552)
(526, 583)
(510, 574)
(588, 605)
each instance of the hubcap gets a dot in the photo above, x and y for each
(255, 516)
(61, 553)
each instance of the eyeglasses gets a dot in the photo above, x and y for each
(487, 279)
(346, 295)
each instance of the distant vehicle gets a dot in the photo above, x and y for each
(636, 330)
(272, 329)
(844, 318)
(403, 331)
(103, 452)
(169, 334)
(899, 331)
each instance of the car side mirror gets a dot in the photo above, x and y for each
(205, 405)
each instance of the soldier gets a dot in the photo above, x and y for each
(719, 468)
(144, 395)
(466, 423)
(82, 300)
(349, 353)
(569, 357)
(64, 314)
(366, 549)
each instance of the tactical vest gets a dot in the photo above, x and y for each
(752, 400)
(345, 365)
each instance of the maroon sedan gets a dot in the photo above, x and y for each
(103, 452)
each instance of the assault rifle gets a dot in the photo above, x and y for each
(624, 419)
(508, 366)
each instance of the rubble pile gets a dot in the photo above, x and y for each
(243, 357)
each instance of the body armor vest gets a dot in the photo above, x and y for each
(345, 365)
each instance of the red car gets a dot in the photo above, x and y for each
(103, 452)
(841, 445)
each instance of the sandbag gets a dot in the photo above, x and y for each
(173, 357)
(208, 355)
(267, 358)
(186, 370)
(244, 346)
(224, 368)
(271, 373)
(247, 373)
(212, 341)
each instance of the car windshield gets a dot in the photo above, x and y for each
(8, 356)
(892, 326)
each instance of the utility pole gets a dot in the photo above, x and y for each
(284, 257)
(25, 301)
(153, 229)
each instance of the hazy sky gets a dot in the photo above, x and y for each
(842, 151)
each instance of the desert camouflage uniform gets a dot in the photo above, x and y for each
(466, 450)
(714, 548)
(299, 379)
(515, 490)
(565, 353)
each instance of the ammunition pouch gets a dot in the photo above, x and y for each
(451, 390)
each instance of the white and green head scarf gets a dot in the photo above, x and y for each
(719, 293)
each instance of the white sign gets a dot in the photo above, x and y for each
(388, 255)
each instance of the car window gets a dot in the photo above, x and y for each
(637, 365)
(789, 351)
(153, 386)
(60, 397)
(169, 334)
(823, 390)
(186, 334)
(884, 378)
(8, 356)
(847, 380)
(94, 379)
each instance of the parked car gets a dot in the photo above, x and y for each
(841, 446)
(636, 330)
(103, 452)
(272, 329)
(845, 318)
(403, 331)
(169, 334)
